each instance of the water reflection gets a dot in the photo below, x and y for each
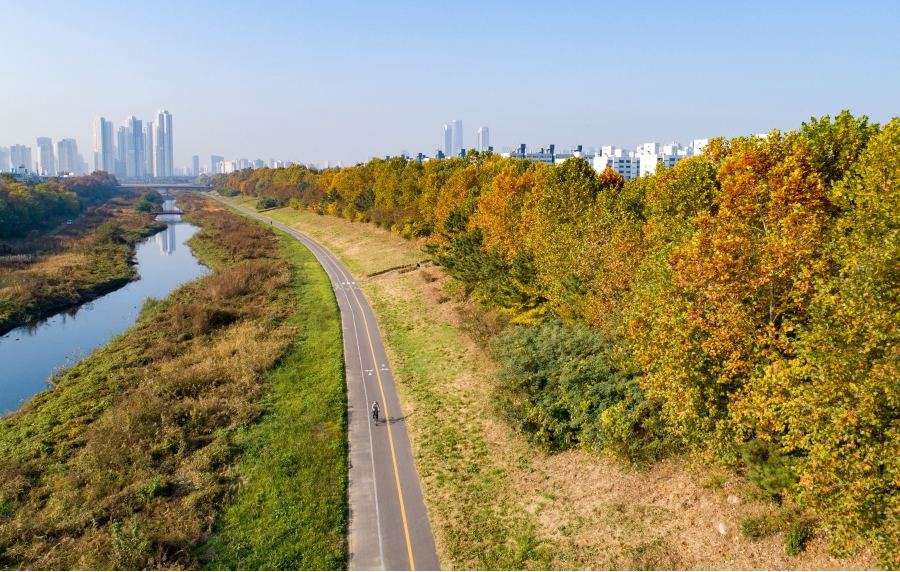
(166, 240)
(29, 355)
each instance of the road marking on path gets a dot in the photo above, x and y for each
(412, 564)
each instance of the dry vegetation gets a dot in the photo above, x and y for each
(497, 502)
(134, 459)
(78, 263)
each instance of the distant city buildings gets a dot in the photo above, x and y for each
(629, 163)
(195, 165)
(20, 158)
(4, 159)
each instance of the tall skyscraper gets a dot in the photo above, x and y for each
(195, 164)
(104, 146)
(20, 158)
(214, 161)
(4, 159)
(457, 137)
(120, 170)
(149, 148)
(67, 156)
(134, 147)
(483, 139)
(163, 145)
(448, 141)
(48, 160)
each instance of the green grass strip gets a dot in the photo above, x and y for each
(291, 511)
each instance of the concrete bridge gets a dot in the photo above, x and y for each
(167, 186)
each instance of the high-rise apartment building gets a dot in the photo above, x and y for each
(483, 139)
(104, 146)
(457, 137)
(119, 169)
(4, 159)
(20, 158)
(47, 157)
(214, 163)
(134, 147)
(149, 148)
(195, 164)
(163, 153)
(448, 140)
(67, 157)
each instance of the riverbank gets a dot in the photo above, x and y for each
(211, 434)
(79, 263)
(496, 501)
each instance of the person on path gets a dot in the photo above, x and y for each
(375, 411)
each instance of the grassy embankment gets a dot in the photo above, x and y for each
(79, 263)
(211, 434)
(497, 502)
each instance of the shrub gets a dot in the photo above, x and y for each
(769, 469)
(265, 203)
(143, 206)
(110, 232)
(557, 382)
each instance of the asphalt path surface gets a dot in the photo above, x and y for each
(389, 526)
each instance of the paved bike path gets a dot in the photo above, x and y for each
(389, 527)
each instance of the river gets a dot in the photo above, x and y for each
(31, 354)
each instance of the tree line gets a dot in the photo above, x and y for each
(744, 302)
(25, 206)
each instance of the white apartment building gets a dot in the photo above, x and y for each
(622, 161)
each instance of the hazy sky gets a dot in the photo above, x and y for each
(344, 81)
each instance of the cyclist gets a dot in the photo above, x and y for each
(375, 411)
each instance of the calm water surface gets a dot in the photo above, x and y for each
(29, 355)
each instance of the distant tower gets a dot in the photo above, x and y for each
(214, 161)
(104, 146)
(48, 161)
(195, 163)
(121, 170)
(457, 136)
(163, 154)
(20, 157)
(67, 157)
(448, 141)
(483, 139)
(134, 147)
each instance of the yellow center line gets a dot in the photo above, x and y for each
(387, 419)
